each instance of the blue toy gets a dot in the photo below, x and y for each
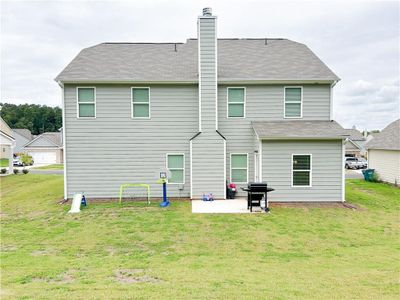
(209, 197)
(163, 180)
(83, 201)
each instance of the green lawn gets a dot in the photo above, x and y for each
(3, 162)
(51, 167)
(141, 252)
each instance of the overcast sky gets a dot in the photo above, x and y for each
(358, 40)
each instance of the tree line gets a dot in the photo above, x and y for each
(36, 118)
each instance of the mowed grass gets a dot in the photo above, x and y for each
(3, 162)
(145, 252)
(51, 167)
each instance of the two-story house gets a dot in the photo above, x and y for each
(210, 110)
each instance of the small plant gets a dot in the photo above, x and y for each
(16, 171)
(25, 171)
(3, 171)
(26, 159)
(375, 178)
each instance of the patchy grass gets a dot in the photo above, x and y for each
(51, 167)
(3, 162)
(145, 252)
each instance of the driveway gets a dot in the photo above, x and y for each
(354, 174)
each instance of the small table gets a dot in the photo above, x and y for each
(257, 200)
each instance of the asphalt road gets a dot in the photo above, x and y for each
(50, 172)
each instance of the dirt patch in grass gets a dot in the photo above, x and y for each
(42, 252)
(62, 278)
(134, 276)
(8, 248)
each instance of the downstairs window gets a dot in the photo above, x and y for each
(301, 170)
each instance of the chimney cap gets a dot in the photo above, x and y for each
(207, 11)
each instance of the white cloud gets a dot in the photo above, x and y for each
(358, 40)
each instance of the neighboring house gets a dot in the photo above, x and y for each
(355, 145)
(210, 110)
(7, 143)
(22, 137)
(46, 148)
(384, 153)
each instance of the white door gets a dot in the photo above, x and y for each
(44, 157)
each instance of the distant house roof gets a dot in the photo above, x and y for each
(299, 130)
(387, 139)
(47, 139)
(238, 60)
(355, 135)
(26, 133)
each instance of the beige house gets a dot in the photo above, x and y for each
(46, 148)
(7, 143)
(384, 153)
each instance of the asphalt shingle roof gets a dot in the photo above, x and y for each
(355, 135)
(238, 60)
(53, 137)
(24, 132)
(387, 139)
(299, 129)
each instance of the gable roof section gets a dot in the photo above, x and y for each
(46, 140)
(238, 60)
(355, 135)
(299, 130)
(387, 139)
(26, 133)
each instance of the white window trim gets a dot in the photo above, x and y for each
(291, 175)
(184, 171)
(244, 101)
(140, 87)
(77, 101)
(247, 167)
(284, 102)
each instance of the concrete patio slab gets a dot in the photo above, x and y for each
(236, 206)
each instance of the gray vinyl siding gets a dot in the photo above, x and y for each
(265, 103)
(208, 148)
(208, 165)
(208, 76)
(113, 148)
(327, 167)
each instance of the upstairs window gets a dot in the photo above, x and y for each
(239, 168)
(141, 103)
(86, 102)
(301, 170)
(236, 102)
(293, 102)
(176, 165)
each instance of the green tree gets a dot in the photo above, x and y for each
(36, 118)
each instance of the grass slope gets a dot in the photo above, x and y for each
(142, 252)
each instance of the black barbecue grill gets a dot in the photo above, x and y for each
(256, 192)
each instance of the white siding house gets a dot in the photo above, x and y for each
(384, 153)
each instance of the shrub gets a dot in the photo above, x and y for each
(25, 171)
(375, 178)
(26, 159)
(16, 171)
(3, 171)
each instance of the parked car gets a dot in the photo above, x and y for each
(363, 163)
(17, 162)
(352, 163)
